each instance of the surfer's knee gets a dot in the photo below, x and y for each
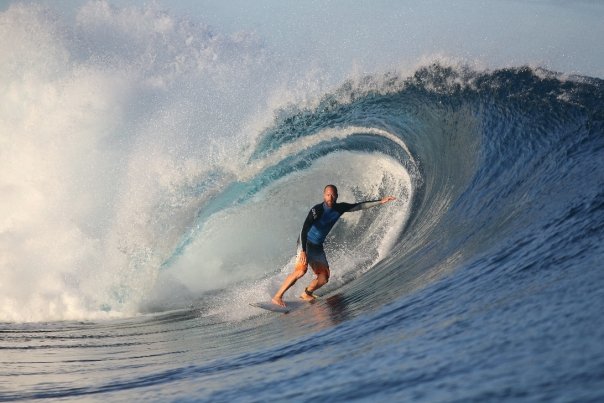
(323, 275)
(300, 270)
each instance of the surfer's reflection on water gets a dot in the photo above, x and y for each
(337, 308)
(327, 312)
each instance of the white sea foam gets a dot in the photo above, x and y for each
(107, 124)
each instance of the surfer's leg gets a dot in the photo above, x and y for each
(299, 271)
(318, 261)
(322, 273)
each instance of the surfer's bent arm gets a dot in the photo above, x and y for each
(310, 219)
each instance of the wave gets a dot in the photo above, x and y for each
(140, 174)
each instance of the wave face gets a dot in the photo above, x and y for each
(141, 214)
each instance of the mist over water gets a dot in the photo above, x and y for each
(109, 128)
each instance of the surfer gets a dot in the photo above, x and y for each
(320, 220)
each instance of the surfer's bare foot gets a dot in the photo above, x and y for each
(278, 301)
(307, 297)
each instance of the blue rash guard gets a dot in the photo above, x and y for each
(321, 219)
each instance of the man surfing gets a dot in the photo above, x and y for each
(318, 223)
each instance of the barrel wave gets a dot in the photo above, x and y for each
(483, 281)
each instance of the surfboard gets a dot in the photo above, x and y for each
(269, 306)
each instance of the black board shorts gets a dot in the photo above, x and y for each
(315, 254)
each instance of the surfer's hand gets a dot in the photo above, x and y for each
(387, 199)
(302, 257)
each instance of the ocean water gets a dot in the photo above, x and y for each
(156, 171)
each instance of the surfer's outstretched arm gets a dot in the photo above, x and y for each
(369, 204)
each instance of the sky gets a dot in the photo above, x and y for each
(564, 36)
(372, 36)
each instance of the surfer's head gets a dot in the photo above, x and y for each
(330, 195)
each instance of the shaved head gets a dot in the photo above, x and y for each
(330, 195)
(332, 187)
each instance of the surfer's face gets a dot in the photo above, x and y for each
(330, 196)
